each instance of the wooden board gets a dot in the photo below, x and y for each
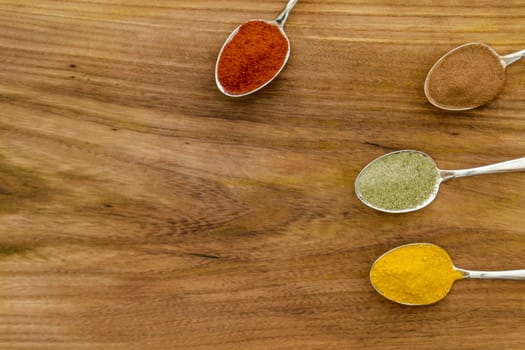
(142, 209)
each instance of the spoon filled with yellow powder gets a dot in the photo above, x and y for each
(423, 273)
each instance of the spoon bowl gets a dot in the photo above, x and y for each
(474, 85)
(409, 180)
(387, 183)
(276, 24)
(414, 274)
(423, 273)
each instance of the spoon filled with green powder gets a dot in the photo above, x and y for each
(408, 180)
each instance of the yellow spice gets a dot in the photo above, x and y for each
(415, 274)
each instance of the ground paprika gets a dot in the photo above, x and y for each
(252, 57)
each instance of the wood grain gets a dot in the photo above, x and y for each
(141, 209)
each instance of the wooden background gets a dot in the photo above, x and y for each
(141, 209)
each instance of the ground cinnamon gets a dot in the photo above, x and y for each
(252, 57)
(467, 77)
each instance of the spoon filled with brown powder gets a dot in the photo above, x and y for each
(468, 76)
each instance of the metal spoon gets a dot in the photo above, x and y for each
(431, 268)
(443, 175)
(279, 22)
(504, 60)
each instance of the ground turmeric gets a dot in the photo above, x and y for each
(414, 274)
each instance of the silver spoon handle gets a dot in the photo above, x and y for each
(283, 16)
(503, 167)
(513, 57)
(502, 275)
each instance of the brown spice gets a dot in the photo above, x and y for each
(253, 57)
(467, 77)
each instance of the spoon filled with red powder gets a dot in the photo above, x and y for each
(468, 76)
(253, 55)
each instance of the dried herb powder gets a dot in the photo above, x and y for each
(398, 181)
(467, 77)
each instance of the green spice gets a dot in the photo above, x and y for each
(398, 181)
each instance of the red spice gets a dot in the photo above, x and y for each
(253, 57)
